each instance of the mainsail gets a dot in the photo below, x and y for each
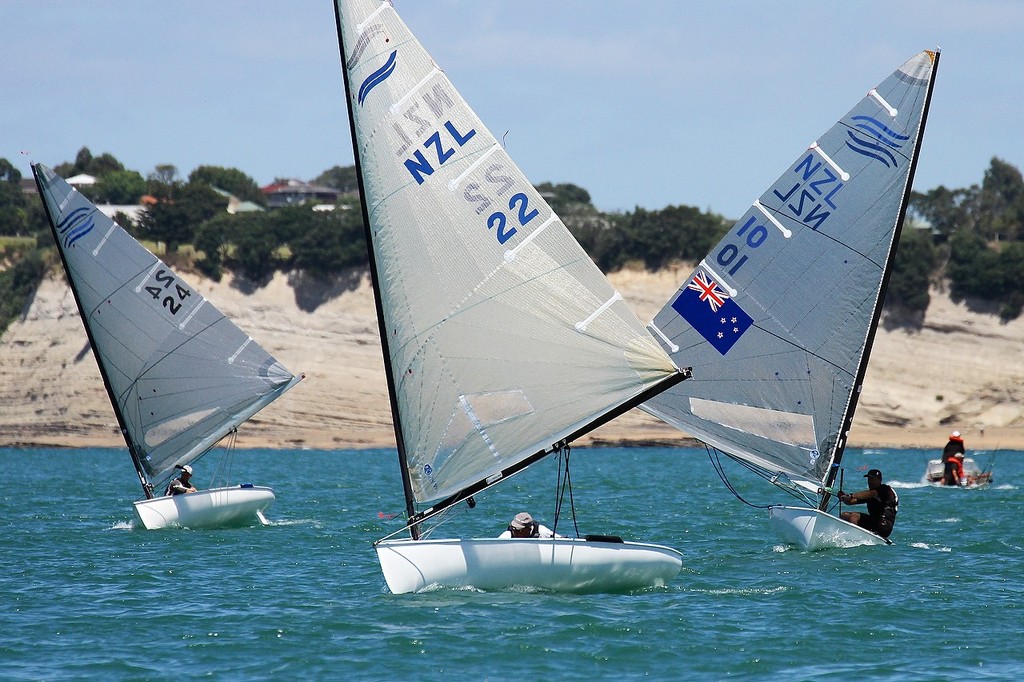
(501, 336)
(180, 375)
(779, 318)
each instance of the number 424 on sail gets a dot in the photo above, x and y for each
(164, 281)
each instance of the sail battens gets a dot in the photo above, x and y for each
(481, 340)
(478, 425)
(718, 278)
(582, 326)
(361, 27)
(828, 159)
(767, 214)
(511, 254)
(152, 347)
(146, 278)
(453, 184)
(398, 104)
(893, 112)
(234, 356)
(192, 313)
(784, 358)
(661, 335)
(96, 251)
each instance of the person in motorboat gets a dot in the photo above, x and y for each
(953, 468)
(523, 526)
(183, 483)
(962, 478)
(882, 501)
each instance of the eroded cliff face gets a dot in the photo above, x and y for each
(960, 370)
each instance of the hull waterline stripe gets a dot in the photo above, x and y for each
(510, 255)
(398, 104)
(881, 100)
(96, 251)
(582, 326)
(782, 228)
(668, 342)
(828, 159)
(454, 182)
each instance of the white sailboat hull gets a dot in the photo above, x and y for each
(813, 529)
(213, 508)
(562, 565)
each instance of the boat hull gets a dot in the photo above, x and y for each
(561, 565)
(813, 529)
(213, 508)
(976, 478)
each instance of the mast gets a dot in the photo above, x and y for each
(410, 506)
(147, 488)
(858, 383)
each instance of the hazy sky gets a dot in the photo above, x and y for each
(642, 103)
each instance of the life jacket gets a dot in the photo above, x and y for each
(885, 506)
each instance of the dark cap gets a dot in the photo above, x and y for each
(874, 473)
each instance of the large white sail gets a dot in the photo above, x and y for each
(503, 336)
(777, 321)
(179, 373)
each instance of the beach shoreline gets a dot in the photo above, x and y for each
(920, 384)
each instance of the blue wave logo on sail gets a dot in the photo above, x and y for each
(712, 312)
(75, 225)
(875, 139)
(377, 77)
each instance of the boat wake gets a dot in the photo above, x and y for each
(925, 545)
(315, 523)
(746, 590)
(908, 485)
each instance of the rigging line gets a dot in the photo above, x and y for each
(559, 492)
(716, 463)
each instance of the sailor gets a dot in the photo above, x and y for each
(882, 501)
(953, 470)
(523, 526)
(182, 484)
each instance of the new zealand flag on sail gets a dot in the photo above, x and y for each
(711, 312)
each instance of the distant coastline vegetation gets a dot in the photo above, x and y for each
(970, 239)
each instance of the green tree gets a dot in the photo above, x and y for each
(120, 187)
(174, 219)
(970, 264)
(212, 240)
(255, 244)
(18, 283)
(230, 180)
(13, 207)
(342, 178)
(916, 259)
(162, 182)
(566, 199)
(331, 241)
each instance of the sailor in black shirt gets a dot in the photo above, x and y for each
(882, 501)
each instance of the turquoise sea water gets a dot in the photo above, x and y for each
(85, 596)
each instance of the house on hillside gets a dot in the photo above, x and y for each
(294, 192)
(236, 205)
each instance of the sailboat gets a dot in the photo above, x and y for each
(778, 320)
(179, 374)
(503, 341)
